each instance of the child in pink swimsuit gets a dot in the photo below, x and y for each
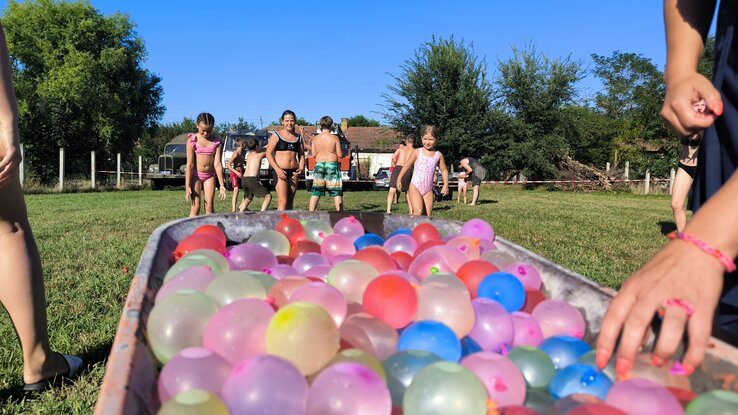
(203, 166)
(424, 160)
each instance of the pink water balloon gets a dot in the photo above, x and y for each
(477, 228)
(251, 256)
(526, 273)
(558, 317)
(493, 326)
(280, 271)
(319, 271)
(194, 278)
(368, 333)
(325, 296)
(469, 246)
(641, 396)
(306, 261)
(349, 227)
(193, 368)
(348, 389)
(503, 380)
(351, 277)
(283, 289)
(451, 307)
(337, 244)
(436, 259)
(527, 331)
(235, 337)
(265, 385)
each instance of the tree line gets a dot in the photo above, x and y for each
(81, 84)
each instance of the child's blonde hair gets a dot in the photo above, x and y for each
(429, 129)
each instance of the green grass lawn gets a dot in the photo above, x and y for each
(87, 239)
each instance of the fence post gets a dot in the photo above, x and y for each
(22, 165)
(672, 174)
(607, 167)
(92, 169)
(140, 170)
(647, 187)
(117, 170)
(626, 174)
(61, 168)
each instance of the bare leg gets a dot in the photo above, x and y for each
(22, 284)
(415, 200)
(475, 195)
(292, 192)
(266, 202)
(313, 203)
(428, 202)
(465, 195)
(458, 196)
(244, 204)
(234, 199)
(391, 198)
(680, 190)
(282, 190)
(209, 195)
(197, 192)
(409, 202)
(338, 202)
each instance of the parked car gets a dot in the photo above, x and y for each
(382, 179)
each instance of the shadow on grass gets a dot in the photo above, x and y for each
(91, 357)
(667, 227)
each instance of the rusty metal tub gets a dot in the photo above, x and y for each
(129, 384)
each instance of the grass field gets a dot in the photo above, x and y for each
(87, 240)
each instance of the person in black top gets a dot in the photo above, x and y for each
(475, 172)
(286, 155)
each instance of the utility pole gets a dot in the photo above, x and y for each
(261, 122)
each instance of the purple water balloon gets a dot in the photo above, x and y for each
(194, 278)
(641, 396)
(280, 271)
(251, 256)
(319, 271)
(340, 258)
(193, 368)
(308, 260)
(401, 243)
(503, 380)
(493, 326)
(477, 228)
(557, 317)
(265, 385)
(527, 331)
(436, 259)
(235, 337)
(529, 276)
(348, 389)
(350, 227)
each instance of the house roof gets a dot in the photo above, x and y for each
(373, 139)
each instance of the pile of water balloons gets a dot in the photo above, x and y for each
(315, 319)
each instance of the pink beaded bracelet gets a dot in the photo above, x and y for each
(704, 247)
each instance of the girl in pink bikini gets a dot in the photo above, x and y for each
(425, 160)
(203, 166)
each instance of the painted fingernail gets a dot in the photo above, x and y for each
(656, 361)
(688, 369)
(602, 357)
(622, 367)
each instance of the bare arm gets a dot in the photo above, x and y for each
(271, 149)
(465, 165)
(339, 151)
(10, 156)
(687, 23)
(444, 174)
(395, 157)
(189, 170)
(300, 156)
(409, 163)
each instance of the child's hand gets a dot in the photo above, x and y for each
(9, 161)
(679, 110)
(189, 196)
(222, 192)
(444, 190)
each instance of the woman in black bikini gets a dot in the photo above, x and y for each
(286, 155)
(684, 178)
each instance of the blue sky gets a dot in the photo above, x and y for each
(256, 58)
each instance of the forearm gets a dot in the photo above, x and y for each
(8, 107)
(188, 174)
(716, 222)
(687, 23)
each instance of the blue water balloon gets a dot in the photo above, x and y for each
(504, 288)
(579, 378)
(431, 336)
(564, 350)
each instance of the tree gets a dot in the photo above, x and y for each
(242, 124)
(445, 85)
(152, 143)
(362, 121)
(530, 121)
(707, 60)
(632, 97)
(299, 121)
(80, 83)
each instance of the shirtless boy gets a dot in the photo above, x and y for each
(327, 174)
(250, 180)
(398, 160)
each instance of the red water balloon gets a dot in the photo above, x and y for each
(473, 272)
(403, 259)
(377, 257)
(391, 299)
(291, 228)
(303, 247)
(427, 245)
(532, 299)
(425, 232)
(284, 259)
(212, 230)
(195, 242)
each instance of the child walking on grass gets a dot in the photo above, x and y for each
(424, 162)
(461, 178)
(235, 166)
(203, 166)
(250, 180)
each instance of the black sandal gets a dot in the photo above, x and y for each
(74, 366)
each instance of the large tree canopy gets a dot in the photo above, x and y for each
(80, 83)
(445, 85)
(362, 121)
